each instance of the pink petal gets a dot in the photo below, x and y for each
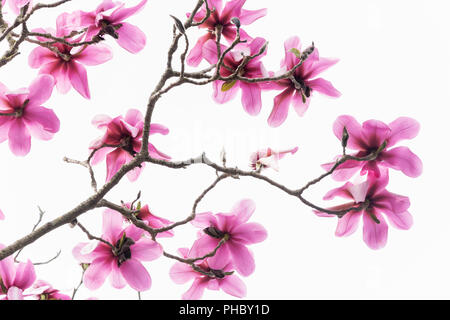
(204, 220)
(220, 96)
(146, 250)
(209, 50)
(403, 128)
(299, 106)
(156, 154)
(354, 129)
(217, 4)
(181, 273)
(7, 270)
(94, 55)
(112, 225)
(134, 174)
(401, 158)
(375, 132)
(85, 252)
(402, 221)
(342, 192)
(348, 224)
(195, 56)
(131, 38)
(251, 97)
(374, 235)
(280, 108)
(249, 16)
(15, 293)
(19, 138)
(116, 278)
(40, 56)
(195, 292)
(290, 59)
(122, 13)
(319, 67)
(204, 245)
(242, 258)
(234, 286)
(323, 86)
(133, 117)
(114, 161)
(41, 122)
(97, 272)
(249, 233)
(78, 79)
(244, 209)
(25, 275)
(158, 128)
(101, 120)
(60, 72)
(136, 275)
(345, 171)
(232, 9)
(40, 90)
(100, 154)
(392, 202)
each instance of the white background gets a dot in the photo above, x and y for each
(394, 61)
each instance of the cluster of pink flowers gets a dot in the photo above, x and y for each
(297, 90)
(371, 195)
(236, 233)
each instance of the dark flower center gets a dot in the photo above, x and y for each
(302, 86)
(122, 249)
(214, 232)
(108, 28)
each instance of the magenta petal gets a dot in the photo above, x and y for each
(342, 192)
(78, 79)
(40, 56)
(112, 225)
(280, 108)
(299, 106)
(122, 13)
(224, 96)
(156, 154)
(136, 275)
(348, 224)
(402, 221)
(114, 161)
(116, 279)
(244, 209)
(94, 55)
(319, 67)
(60, 71)
(375, 132)
(25, 275)
(19, 138)
(181, 273)
(100, 154)
(41, 122)
(196, 290)
(251, 98)
(131, 38)
(7, 270)
(249, 233)
(209, 50)
(374, 234)
(97, 272)
(323, 86)
(403, 128)
(204, 245)
(158, 128)
(249, 16)
(354, 129)
(232, 9)
(242, 258)
(195, 56)
(146, 250)
(133, 117)
(40, 90)
(401, 158)
(234, 286)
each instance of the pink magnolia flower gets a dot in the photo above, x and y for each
(251, 92)
(221, 16)
(23, 116)
(268, 158)
(181, 273)
(370, 136)
(15, 278)
(123, 262)
(16, 5)
(109, 18)
(377, 200)
(125, 133)
(299, 94)
(46, 292)
(67, 67)
(238, 234)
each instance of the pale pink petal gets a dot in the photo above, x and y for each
(134, 174)
(136, 275)
(297, 102)
(242, 258)
(359, 191)
(209, 51)
(348, 224)
(403, 128)
(134, 116)
(94, 55)
(319, 67)
(131, 38)
(97, 272)
(122, 13)
(195, 292)
(100, 154)
(220, 96)
(181, 273)
(146, 250)
(342, 192)
(87, 252)
(374, 234)
(249, 16)
(401, 158)
(323, 86)
(115, 278)
(204, 245)
(25, 275)
(19, 138)
(244, 209)
(204, 220)
(234, 286)
(40, 56)
(15, 293)
(78, 79)
(112, 225)
(290, 58)
(392, 202)
(101, 120)
(156, 154)
(280, 108)
(402, 221)
(251, 97)
(41, 122)
(249, 233)
(158, 128)
(40, 90)
(195, 56)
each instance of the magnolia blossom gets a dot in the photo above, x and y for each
(122, 262)
(251, 92)
(15, 278)
(237, 232)
(44, 291)
(16, 5)
(66, 65)
(22, 116)
(109, 18)
(122, 140)
(374, 197)
(268, 158)
(368, 138)
(298, 91)
(221, 17)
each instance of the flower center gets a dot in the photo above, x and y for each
(300, 85)
(126, 144)
(122, 249)
(216, 233)
(108, 28)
